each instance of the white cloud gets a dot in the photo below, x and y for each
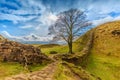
(117, 18)
(28, 7)
(46, 19)
(26, 27)
(30, 37)
(7, 35)
(101, 21)
(14, 18)
(52, 17)
(34, 37)
(104, 7)
(104, 20)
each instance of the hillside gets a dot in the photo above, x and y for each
(104, 59)
(107, 39)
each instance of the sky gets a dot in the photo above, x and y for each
(20, 18)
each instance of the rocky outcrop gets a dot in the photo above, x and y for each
(16, 52)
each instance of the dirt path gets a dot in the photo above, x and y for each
(76, 76)
(44, 74)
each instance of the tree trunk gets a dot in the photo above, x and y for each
(70, 47)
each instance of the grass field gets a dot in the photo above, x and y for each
(78, 45)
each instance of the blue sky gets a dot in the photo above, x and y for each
(25, 17)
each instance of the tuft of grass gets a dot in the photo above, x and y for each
(12, 68)
(58, 49)
(83, 74)
(36, 67)
(7, 69)
(64, 73)
(59, 74)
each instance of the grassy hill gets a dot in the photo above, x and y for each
(104, 59)
(105, 41)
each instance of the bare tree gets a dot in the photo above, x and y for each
(68, 26)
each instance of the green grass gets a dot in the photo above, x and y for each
(11, 68)
(58, 49)
(105, 67)
(80, 71)
(36, 67)
(59, 74)
(7, 69)
(78, 45)
(63, 73)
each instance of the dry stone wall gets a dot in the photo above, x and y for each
(83, 58)
(16, 52)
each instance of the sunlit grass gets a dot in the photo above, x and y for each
(59, 74)
(12, 68)
(104, 61)
(58, 49)
(105, 67)
(7, 69)
(78, 45)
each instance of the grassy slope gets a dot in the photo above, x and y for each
(60, 73)
(104, 61)
(77, 46)
(7, 69)
(107, 68)
(68, 71)
(105, 42)
(10, 68)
